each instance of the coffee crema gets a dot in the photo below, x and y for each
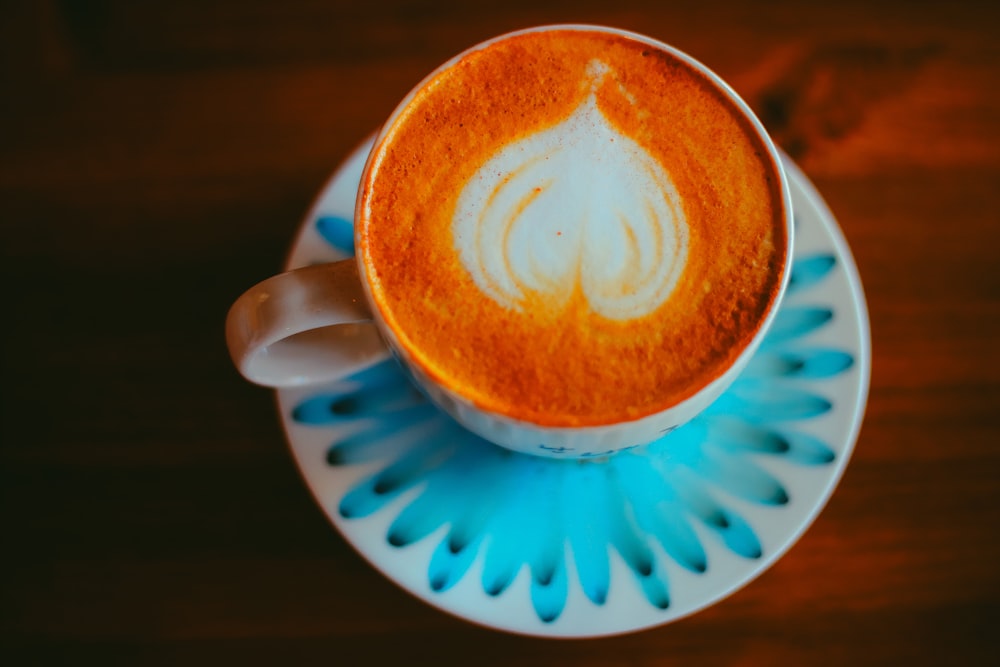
(572, 228)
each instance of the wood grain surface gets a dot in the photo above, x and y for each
(155, 160)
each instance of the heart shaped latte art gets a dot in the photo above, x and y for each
(576, 207)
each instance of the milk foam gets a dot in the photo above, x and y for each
(576, 206)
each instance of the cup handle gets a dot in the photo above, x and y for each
(305, 326)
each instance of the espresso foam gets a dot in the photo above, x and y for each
(572, 228)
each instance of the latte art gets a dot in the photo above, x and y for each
(579, 206)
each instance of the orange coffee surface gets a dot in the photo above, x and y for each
(571, 366)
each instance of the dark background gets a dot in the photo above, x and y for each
(155, 160)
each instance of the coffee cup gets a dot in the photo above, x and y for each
(573, 238)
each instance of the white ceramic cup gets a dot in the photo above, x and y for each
(318, 324)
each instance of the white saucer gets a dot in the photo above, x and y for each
(569, 549)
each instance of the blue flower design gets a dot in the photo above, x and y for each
(520, 511)
(338, 232)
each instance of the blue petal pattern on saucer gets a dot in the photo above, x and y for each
(520, 511)
(338, 232)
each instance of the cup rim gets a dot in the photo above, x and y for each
(717, 384)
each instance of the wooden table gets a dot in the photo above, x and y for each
(155, 160)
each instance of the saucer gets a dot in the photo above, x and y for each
(562, 548)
